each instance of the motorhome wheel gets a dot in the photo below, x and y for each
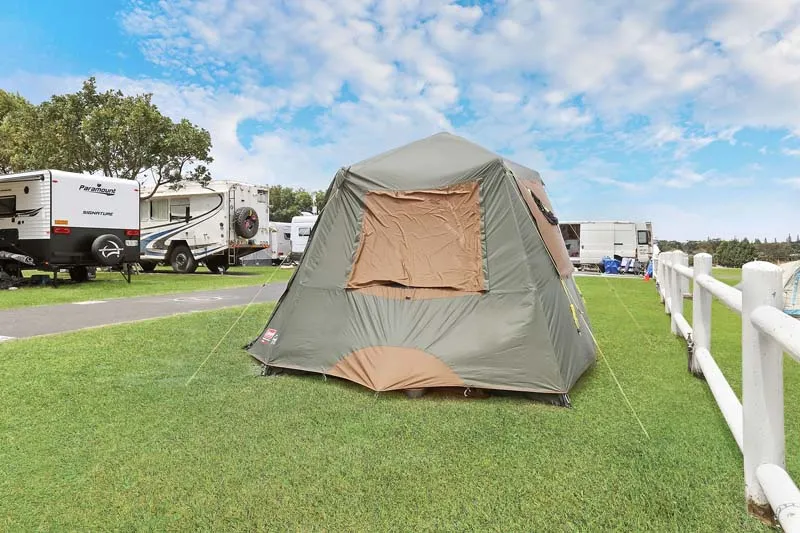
(245, 221)
(108, 250)
(183, 261)
(217, 264)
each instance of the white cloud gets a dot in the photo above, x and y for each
(791, 182)
(513, 76)
(681, 178)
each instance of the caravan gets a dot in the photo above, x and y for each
(216, 223)
(280, 247)
(52, 220)
(301, 230)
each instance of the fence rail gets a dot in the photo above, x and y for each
(757, 421)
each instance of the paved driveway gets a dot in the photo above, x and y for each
(44, 320)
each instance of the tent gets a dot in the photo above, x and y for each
(791, 288)
(436, 264)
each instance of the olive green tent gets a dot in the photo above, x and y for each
(436, 264)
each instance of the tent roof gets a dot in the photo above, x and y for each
(434, 159)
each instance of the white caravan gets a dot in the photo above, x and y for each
(280, 241)
(589, 242)
(50, 219)
(280, 246)
(301, 230)
(215, 223)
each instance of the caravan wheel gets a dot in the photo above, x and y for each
(148, 266)
(183, 262)
(79, 274)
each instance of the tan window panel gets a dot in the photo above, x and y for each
(422, 239)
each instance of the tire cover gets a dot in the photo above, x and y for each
(108, 250)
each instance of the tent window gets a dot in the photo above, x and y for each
(421, 239)
(8, 206)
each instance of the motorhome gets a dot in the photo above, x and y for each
(302, 226)
(589, 242)
(215, 223)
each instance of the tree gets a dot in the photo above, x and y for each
(184, 146)
(108, 132)
(14, 112)
(285, 202)
(320, 197)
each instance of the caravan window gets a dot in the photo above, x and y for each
(262, 196)
(177, 208)
(159, 209)
(8, 206)
(643, 237)
(304, 231)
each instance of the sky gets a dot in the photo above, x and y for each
(686, 114)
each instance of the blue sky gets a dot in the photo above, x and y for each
(685, 114)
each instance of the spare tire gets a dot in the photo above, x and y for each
(245, 222)
(108, 250)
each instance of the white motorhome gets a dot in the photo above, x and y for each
(52, 220)
(216, 223)
(301, 230)
(589, 242)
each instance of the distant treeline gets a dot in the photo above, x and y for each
(735, 253)
(286, 202)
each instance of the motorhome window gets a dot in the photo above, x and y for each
(177, 208)
(262, 197)
(642, 237)
(159, 209)
(304, 231)
(287, 236)
(8, 206)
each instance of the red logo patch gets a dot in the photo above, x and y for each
(268, 335)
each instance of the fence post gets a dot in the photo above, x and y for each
(701, 311)
(683, 259)
(762, 384)
(667, 276)
(659, 270)
(676, 292)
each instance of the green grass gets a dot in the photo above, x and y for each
(99, 431)
(163, 281)
(731, 276)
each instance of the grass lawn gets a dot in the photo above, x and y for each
(731, 276)
(99, 431)
(162, 281)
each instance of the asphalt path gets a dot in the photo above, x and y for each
(27, 322)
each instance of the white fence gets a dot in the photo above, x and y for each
(757, 422)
